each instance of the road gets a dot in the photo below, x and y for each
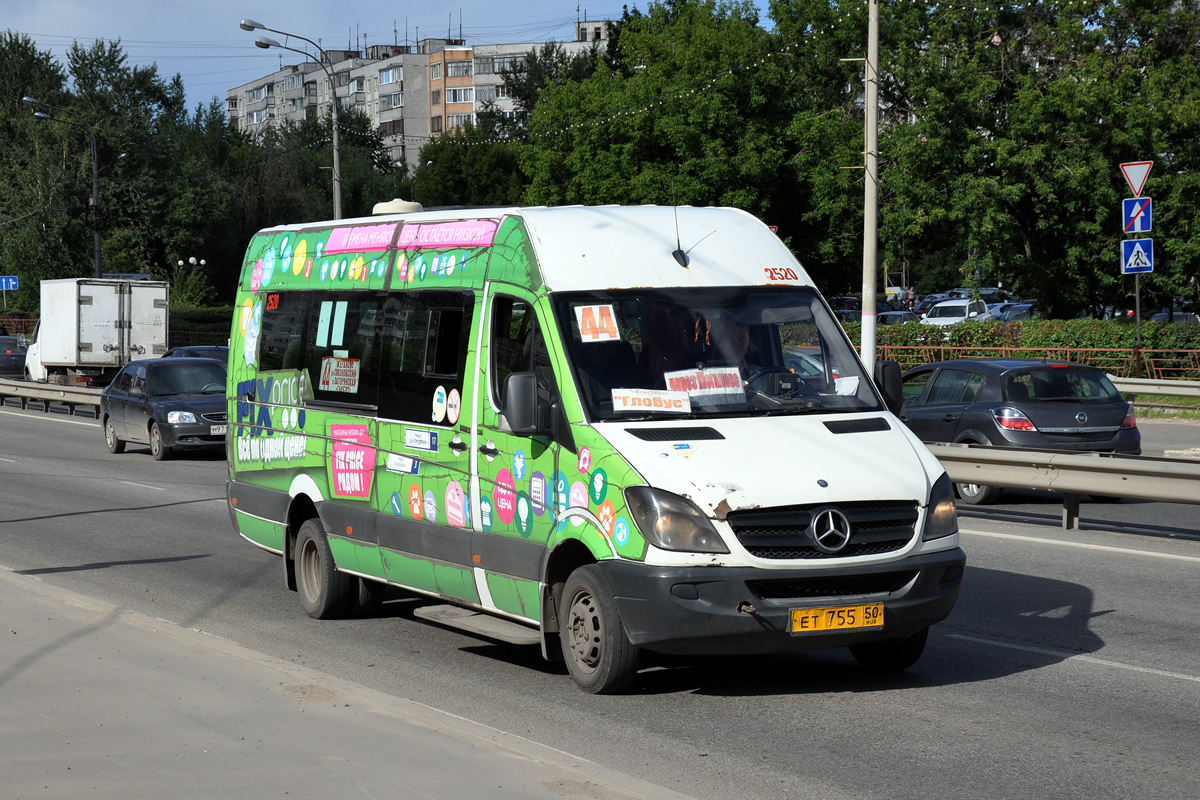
(1069, 668)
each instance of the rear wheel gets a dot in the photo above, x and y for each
(894, 656)
(157, 449)
(324, 592)
(369, 597)
(976, 494)
(115, 445)
(599, 655)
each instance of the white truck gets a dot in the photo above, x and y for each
(91, 327)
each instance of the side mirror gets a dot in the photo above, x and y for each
(887, 380)
(519, 406)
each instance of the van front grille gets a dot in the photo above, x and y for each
(876, 526)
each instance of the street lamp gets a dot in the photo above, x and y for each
(95, 172)
(267, 42)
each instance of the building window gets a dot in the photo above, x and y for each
(435, 71)
(458, 69)
(293, 82)
(435, 97)
(391, 75)
(454, 121)
(582, 34)
(435, 124)
(391, 101)
(483, 66)
(464, 95)
(486, 93)
(260, 93)
(596, 33)
(510, 63)
(231, 103)
(358, 85)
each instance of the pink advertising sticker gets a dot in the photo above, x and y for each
(579, 499)
(446, 235)
(585, 461)
(351, 460)
(456, 504)
(360, 239)
(505, 497)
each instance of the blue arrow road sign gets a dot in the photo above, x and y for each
(1135, 214)
(1137, 255)
(8, 283)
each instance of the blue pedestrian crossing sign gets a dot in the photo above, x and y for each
(1135, 214)
(1137, 255)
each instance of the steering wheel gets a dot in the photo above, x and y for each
(213, 387)
(801, 387)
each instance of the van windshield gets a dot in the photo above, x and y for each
(711, 352)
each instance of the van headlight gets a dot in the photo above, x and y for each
(942, 518)
(671, 522)
(176, 417)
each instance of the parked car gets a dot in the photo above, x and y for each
(1043, 405)
(167, 403)
(217, 352)
(12, 357)
(1176, 315)
(1018, 312)
(896, 317)
(952, 312)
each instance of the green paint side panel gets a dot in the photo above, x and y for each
(420, 574)
(515, 595)
(347, 552)
(513, 259)
(266, 533)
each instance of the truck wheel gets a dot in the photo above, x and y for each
(894, 656)
(324, 592)
(977, 494)
(599, 655)
(157, 449)
(115, 445)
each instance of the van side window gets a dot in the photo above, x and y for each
(423, 342)
(517, 345)
(281, 337)
(341, 334)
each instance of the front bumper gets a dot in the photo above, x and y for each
(696, 610)
(190, 434)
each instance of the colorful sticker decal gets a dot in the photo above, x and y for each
(684, 451)
(537, 493)
(430, 506)
(607, 516)
(456, 504)
(585, 460)
(397, 504)
(524, 515)
(298, 258)
(268, 266)
(360, 238)
(256, 279)
(486, 515)
(246, 315)
(597, 323)
(324, 270)
(250, 343)
(651, 400)
(621, 531)
(715, 385)
(562, 498)
(417, 439)
(519, 466)
(445, 235)
(579, 499)
(505, 497)
(453, 406)
(403, 464)
(414, 500)
(339, 374)
(598, 487)
(351, 460)
(439, 405)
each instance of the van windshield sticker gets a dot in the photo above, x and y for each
(651, 400)
(339, 375)
(717, 385)
(597, 323)
(360, 239)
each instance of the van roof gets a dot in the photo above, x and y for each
(619, 247)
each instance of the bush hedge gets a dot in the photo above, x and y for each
(1039, 333)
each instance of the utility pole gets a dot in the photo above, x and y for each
(871, 190)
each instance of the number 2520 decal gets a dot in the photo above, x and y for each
(781, 273)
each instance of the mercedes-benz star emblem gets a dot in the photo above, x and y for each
(830, 530)
(1081, 418)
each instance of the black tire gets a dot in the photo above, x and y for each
(894, 656)
(369, 597)
(115, 445)
(324, 592)
(157, 448)
(599, 655)
(976, 494)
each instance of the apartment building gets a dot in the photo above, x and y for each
(410, 92)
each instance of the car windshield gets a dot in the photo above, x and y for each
(1060, 384)
(954, 310)
(713, 352)
(180, 378)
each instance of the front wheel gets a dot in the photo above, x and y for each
(599, 655)
(324, 592)
(891, 656)
(976, 494)
(157, 449)
(115, 445)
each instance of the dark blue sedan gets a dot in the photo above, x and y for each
(169, 404)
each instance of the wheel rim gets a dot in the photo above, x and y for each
(155, 440)
(585, 631)
(110, 435)
(308, 570)
(970, 489)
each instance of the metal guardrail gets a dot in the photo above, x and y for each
(1168, 388)
(1168, 480)
(47, 393)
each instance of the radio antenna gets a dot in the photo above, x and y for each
(680, 257)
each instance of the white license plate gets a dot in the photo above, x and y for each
(217, 430)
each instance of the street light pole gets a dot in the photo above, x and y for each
(95, 169)
(266, 42)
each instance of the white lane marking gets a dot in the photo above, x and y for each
(1067, 655)
(1084, 546)
(7, 460)
(144, 486)
(50, 418)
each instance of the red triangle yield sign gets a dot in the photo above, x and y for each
(1135, 173)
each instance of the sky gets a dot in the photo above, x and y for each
(201, 40)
